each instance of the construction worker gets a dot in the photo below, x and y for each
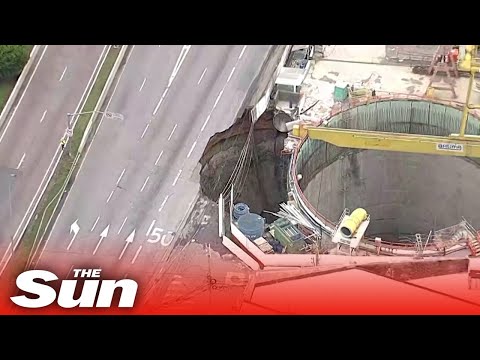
(454, 53)
(62, 143)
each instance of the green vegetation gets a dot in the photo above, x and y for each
(7, 84)
(63, 176)
(12, 60)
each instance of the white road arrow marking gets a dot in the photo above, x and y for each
(103, 235)
(128, 241)
(74, 228)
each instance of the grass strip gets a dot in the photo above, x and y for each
(7, 85)
(57, 185)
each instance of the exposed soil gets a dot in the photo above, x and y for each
(265, 185)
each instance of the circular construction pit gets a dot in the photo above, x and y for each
(404, 193)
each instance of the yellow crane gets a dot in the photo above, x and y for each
(456, 144)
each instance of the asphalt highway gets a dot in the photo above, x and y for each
(140, 174)
(30, 137)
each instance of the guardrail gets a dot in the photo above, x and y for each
(19, 84)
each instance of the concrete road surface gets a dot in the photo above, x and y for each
(140, 174)
(30, 137)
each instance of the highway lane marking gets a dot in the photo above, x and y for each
(136, 254)
(63, 74)
(151, 227)
(121, 227)
(191, 149)
(95, 224)
(120, 177)
(21, 161)
(201, 77)
(161, 100)
(145, 183)
(205, 123)
(143, 84)
(43, 116)
(163, 203)
(171, 134)
(221, 92)
(218, 99)
(158, 158)
(35, 199)
(110, 196)
(88, 148)
(23, 94)
(176, 68)
(144, 131)
(69, 271)
(181, 58)
(98, 245)
(243, 50)
(176, 178)
(231, 73)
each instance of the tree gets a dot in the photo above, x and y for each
(12, 60)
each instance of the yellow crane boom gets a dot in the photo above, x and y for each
(455, 144)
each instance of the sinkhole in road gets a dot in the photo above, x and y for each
(404, 193)
(261, 183)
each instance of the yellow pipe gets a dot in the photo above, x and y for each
(351, 222)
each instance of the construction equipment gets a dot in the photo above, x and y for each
(455, 144)
(351, 229)
(444, 61)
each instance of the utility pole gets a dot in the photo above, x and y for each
(69, 131)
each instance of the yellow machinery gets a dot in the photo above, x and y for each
(350, 223)
(455, 144)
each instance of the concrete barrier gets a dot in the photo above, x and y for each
(103, 95)
(262, 104)
(19, 84)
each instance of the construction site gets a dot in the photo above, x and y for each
(364, 156)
